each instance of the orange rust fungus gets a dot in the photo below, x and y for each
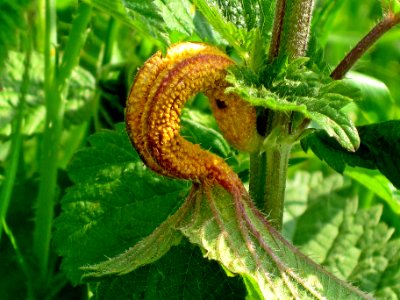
(161, 88)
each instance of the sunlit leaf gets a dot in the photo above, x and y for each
(378, 184)
(375, 99)
(79, 96)
(349, 241)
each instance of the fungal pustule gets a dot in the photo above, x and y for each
(160, 90)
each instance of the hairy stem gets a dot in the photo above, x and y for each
(268, 170)
(277, 29)
(352, 57)
(258, 162)
(277, 158)
(297, 28)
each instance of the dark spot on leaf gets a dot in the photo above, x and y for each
(221, 104)
(262, 122)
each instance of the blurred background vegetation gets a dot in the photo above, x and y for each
(95, 99)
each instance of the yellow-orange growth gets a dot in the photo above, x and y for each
(161, 88)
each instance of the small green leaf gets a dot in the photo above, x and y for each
(244, 25)
(291, 87)
(232, 34)
(144, 252)
(177, 15)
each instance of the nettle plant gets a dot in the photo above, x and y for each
(173, 218)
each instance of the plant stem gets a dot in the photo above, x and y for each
(277, 29)
(277, 158)
(75, 43)
(296, 28)
(258, 162)
(352, 57)
(40, 25)
(17, 137)
(51, 139)
(268, 170)
(54, 88)
(109, 41)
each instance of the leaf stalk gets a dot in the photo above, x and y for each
(369, 39)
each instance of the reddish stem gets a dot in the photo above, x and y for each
(277, 30)
(354, 55)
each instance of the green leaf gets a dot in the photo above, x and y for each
(348, 241)
(244, 25)
(164, 21)
(144, 16)
(228, 31)
(79, 97)
(378, 184)
(375, 99)
(291, 87)
(233, 232)
(208, 138)
(182, 273)
(380, 145)
(177, 15)
(114, 203)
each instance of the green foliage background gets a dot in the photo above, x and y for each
(106, 200)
